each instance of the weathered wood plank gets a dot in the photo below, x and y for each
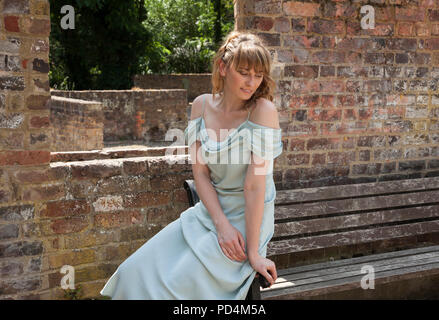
(352, 282)
(301, 210)
(350, 237)
(359, 260)
(338, 223)
(354, 269)
(354, 190)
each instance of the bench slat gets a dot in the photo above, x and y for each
(354, 269)
(357, 260)
(352, 282)
(355, 190)
(297, 211)
(350, 237)
(338, 223)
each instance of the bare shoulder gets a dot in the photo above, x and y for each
(197, 106)
(265, 113)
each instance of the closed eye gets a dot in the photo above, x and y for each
(244, 74)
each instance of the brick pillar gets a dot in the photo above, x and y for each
(24, 141)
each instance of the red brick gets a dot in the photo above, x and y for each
(118, 219)
(101, 170)
(282, 24)
(180, 196)
(422, 29)
(297, 145)
(304, 101)
(294, 8)
(321, 144)
(65, 208)
(329, 101)
(39, 193)
(298, 159)
(350, 114)
(299, 71)
(135, 167)
(409, 14)
(75, 224)
(322, 26)
(430, 44)
(405, 29)
(168, 183)
(343, 158)
(323, 115)
(146, 199)
(39, 122)
(263, 23)
(332, 86)
(305, 86)
(8, 158)
(40, 26)
(318, 159)
(38, 102)
(40, 176)
(328, 57)
(11, 24)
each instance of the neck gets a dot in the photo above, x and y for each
(231, 104)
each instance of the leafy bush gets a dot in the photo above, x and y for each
(104, 49)
(116, 39)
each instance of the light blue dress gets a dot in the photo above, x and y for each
(184, 260)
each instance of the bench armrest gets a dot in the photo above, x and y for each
(189, 186)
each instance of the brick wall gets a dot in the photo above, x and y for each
(356, 105)
(77, 125)
(90, 215)
(24, 143)
(137, 116)
(195, 83)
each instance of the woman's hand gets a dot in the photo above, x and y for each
(231, 242)
(265, 267)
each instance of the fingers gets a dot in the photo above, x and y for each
(228, 253)
(273, 271)
(242, 243)
(268, 277)
(234, 253)
(239, 252)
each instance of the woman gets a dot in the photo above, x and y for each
(215, 248)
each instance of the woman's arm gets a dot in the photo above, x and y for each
(231, 241)
(254, 211)
(206, 192)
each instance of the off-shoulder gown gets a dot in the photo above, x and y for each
(184, 260)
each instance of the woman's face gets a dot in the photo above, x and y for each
(242, 82)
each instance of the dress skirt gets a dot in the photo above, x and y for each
(184, 261)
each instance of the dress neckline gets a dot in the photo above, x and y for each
(232, 131)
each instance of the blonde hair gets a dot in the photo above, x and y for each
(240, 49)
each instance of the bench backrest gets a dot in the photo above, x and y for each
(335, 222)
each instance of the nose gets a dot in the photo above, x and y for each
(249, 80)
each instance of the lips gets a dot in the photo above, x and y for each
(246, 91)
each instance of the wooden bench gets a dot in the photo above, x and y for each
(325, 236)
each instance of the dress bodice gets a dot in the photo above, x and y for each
(228, 160)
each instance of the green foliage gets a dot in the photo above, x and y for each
(73, 294)
(183, 35)
(115, 39)
(105, 48)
